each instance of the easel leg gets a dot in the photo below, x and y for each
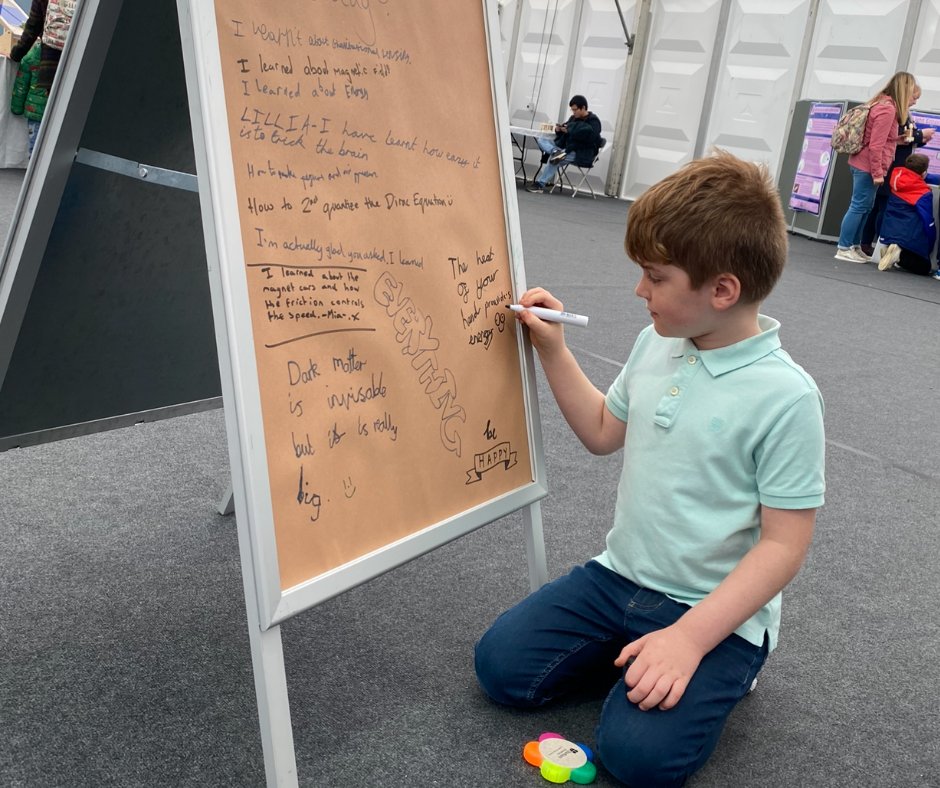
(227, 504)
(277, 736)
(535, 545)
(267, 665)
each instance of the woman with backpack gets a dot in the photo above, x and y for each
(888, 110)
(912, 138)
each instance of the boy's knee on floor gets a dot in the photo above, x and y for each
(636, 768)
(491, 666)
(635, 761)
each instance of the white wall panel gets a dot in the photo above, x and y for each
(599, 66)
(539, 73)
(507, 20)
(672, 90)
(855, 48)
(925, 55)
(756, 78)
(691, 97)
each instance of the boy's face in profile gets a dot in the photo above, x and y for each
(677, 310)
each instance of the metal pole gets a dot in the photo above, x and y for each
(620, 146)
(626, 33)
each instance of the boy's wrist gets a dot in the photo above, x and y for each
(551, 352)
(701, 638)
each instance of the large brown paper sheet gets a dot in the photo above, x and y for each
(376, 258)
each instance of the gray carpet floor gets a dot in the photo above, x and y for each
(125, 658)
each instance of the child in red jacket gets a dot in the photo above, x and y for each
(908, 231)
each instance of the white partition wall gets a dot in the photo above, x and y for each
(557, 48)
(545, 45)
(598, 69)
(925, 54)
(507, 31)
(756, 79)
(673, 86)
(857, 45)
(707, 73)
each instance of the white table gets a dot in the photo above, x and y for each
(520, 138)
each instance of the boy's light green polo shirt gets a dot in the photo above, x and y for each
(711, 435)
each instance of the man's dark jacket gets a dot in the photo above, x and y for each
(583, 137)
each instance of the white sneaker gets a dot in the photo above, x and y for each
(889, 257)
(861, 253)
(936, 275)
(850, 256)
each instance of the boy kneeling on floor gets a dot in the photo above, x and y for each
(723, 470)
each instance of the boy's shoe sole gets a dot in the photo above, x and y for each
(557, 157)
(889, 257)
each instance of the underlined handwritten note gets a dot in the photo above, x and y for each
(377, 265)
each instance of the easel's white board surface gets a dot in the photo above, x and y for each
(366, 240)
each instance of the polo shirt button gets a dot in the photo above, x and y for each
(692, 359)
(674, 391)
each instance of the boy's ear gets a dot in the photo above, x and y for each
(726, 291)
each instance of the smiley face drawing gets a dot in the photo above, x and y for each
(559, 760)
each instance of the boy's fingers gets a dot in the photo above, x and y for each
(538, 296)
(656, 695)
(677, 691)
(627, 654)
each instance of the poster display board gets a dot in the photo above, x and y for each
(383, 397)
(816, 157)
(930, 120)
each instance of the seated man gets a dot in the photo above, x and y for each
(908, 231)
(576, 141)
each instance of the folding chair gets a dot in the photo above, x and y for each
(564, 178)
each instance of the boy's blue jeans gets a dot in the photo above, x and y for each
(564, 638)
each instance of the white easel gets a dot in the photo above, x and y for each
(266, 604)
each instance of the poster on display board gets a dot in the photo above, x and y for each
(812, 172)
(930, 120)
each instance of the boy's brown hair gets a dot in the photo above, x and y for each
(917, 162)
(715, 215)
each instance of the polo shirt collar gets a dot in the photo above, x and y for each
(740, 354)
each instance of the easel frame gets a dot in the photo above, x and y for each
(266, 605)
(78, 321)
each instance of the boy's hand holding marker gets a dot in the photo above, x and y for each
(552, 315)
(546, 337)
(543, 315)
